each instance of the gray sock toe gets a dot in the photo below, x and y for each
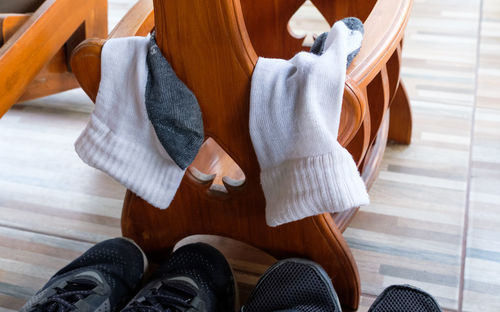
(319, 44)
(172, 109)
(354, 24)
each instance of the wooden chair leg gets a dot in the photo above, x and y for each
(400, 123)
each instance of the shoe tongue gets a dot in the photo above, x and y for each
(71, 293)
(186, 279)
(79, 284)
(173, 294)
(179, 287)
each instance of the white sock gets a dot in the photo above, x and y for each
(294, 119)
(119, 138)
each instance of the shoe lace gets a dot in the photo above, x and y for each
(65, 298)
(166, 298)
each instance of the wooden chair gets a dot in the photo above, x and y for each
(213, 47)
(35, 48)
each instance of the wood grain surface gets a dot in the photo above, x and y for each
(31, 49)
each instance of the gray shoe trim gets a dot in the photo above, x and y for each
(99, 300)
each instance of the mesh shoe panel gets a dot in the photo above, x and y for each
(294, 285)
(209, 272)
(404, 298)
(115, 267)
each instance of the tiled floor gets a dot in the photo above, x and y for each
(434, 220)
(482, 264)
(414, 228)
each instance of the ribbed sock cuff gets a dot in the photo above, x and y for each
(145, 172)
(300, 188)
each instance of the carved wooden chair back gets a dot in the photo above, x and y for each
(207, 44)
(212, 44)
(267, 22)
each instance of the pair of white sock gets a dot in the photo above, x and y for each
(294, 118)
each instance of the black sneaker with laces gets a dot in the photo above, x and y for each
(197, 277)
(103, 279)
(293, 285)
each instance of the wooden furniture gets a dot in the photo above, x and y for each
(213, 47)
(35, 48)
(19, 6)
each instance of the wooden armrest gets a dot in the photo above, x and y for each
(37, 41)
(86, 58)
(384, 29)
(139, 21)
(9, 23)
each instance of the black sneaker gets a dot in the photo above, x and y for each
(196, 277)
(404, 298)
(103, 279)
(294, 285)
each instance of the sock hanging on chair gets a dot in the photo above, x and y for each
(353, 24)
(149, 157)
(172, 109)
(294, 119)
